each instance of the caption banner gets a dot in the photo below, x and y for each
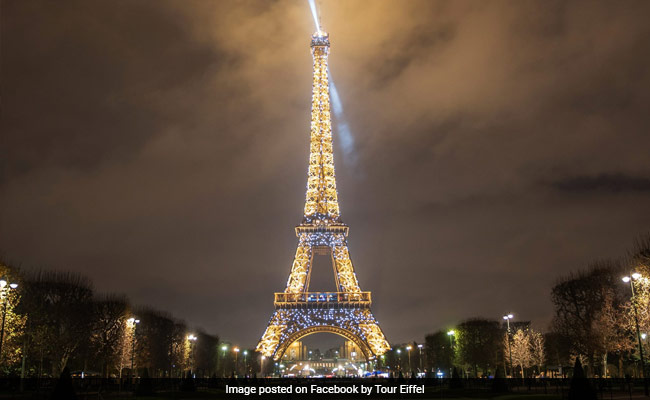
(320, 389)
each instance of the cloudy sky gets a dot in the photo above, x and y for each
(160, 148)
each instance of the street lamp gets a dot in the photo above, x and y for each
(408, 351)
(191, 339)
(224, 348)
(3, 295)
(420, 346)
(236, 350)
(134, 323)
(245, 363)
(627, 279)
(508, 317)
(262, 366)
(399, 357)
(451, 334)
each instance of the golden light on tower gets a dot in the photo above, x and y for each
(299, 312)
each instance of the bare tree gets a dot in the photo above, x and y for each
(478, 343)
(537, 349)
(439, 352)
(59, 307)
(578, 300)
(160, 342)
(109, 315)
(614, 328)
(15, 321)
(638, 260)
(521, 350)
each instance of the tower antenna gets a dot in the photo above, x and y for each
(320, 22)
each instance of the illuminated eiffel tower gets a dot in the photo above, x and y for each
(299, 312)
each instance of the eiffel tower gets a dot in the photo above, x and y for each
(299, 312)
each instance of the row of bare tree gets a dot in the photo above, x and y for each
(596, 313)
(483, 347)
(56, 320)
(595, 319)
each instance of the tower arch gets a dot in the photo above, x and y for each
(344, 333)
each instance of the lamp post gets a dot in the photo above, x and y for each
(236, 350)
(224, 348)
(3, 294)
(408, 351)
(399, 359)
(420, 346)
(245, 363)
(635, 276)
(508, 317)
(134, 322)
(451, 334)
(262, 366)
(191, 339)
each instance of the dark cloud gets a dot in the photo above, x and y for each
(606, 183)
(95, 73)
(160, 148)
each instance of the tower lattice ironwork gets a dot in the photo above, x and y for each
(299, 312)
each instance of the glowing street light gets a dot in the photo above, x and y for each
(508, 317)
(3, 294)
(627, 279)
(224, 348)
(236, 350)
(420, 346)
(245, 363)
(134, 323)
(451, 334)
(191, 338)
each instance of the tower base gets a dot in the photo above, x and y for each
(355, 324)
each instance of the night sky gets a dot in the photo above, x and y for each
(160, 148)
